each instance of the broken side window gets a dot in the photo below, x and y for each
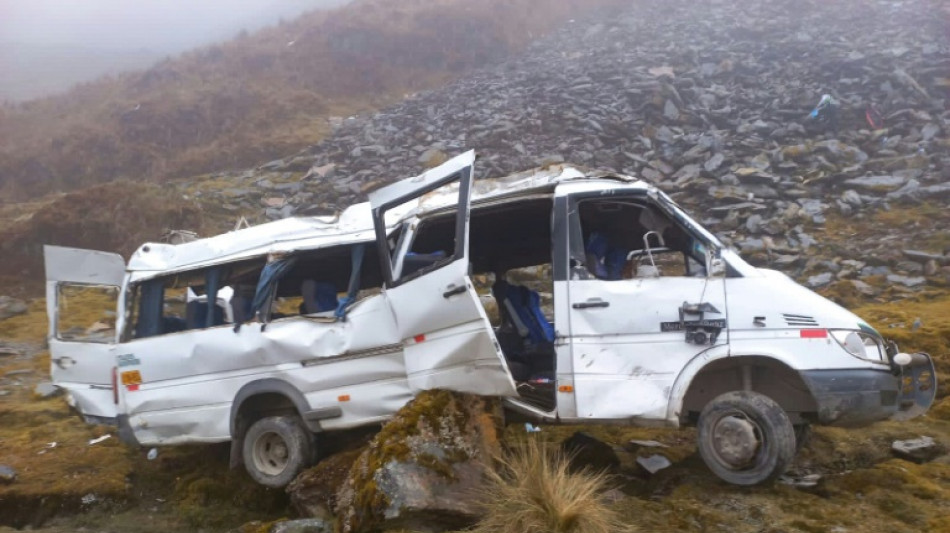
(425, 244)
(624, 239)
(86, 313)
(324, 282)
(195, 299)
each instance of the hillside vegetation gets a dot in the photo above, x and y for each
(259, 96)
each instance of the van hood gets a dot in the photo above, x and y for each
(773, 300)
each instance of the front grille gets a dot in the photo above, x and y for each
(800, 320)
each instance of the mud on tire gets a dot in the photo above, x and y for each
(745, 438)
(276, 449)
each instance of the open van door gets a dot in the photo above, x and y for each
(448, 341)
(82, 290)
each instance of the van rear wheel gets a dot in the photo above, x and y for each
(745, 438)
(276, 449)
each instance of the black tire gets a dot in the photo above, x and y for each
(276, 449)
(745, 438)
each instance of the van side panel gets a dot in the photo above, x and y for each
(190, 379)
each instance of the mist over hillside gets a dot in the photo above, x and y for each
(46, 46)
(261, 95)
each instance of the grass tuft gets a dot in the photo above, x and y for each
(534, 491)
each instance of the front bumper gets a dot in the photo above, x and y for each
(857, 397)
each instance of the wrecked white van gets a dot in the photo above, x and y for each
(612, 305)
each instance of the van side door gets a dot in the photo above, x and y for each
(447, 339)
(82, 290)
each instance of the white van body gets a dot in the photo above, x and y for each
(648, 346)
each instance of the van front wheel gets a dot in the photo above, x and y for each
(745, 438)
(276, 449)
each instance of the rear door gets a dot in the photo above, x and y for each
(447, 338)
(82, 290)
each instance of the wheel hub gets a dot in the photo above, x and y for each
(735, 441)
(271, 454)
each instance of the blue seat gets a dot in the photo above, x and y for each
(604, 260)
(522, 309)
(318, 296)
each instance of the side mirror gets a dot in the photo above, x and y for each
(715, 264)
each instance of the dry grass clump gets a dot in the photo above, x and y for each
(534, 491)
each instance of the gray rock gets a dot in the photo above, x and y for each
(919, 450)
(670, 110)
(305, 525)
(10, 306)
(753, 223)
(820, 280)
(714, 162)
(921, 256)
(906, 281)
(877, 183)
(852, 198)
(7, 474)
(929, 131)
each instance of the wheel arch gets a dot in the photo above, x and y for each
(259, 398)
(767, 375)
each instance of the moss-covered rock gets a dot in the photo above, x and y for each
(422, 469)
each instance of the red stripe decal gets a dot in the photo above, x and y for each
(814, 333)
(419, 338)
(132, 388)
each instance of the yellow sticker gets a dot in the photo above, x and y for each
(131, 377)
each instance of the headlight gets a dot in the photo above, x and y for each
(860, 344)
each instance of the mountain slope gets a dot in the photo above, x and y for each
(260, 95)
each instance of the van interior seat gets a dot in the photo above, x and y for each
(526, 336)
(196, 315)
(318, 296)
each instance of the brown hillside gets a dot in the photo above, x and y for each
(259, 96)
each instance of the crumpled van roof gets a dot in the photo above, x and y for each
(354, 224)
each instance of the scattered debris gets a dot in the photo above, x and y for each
(802, 482)
(97, 440)
(654, 463)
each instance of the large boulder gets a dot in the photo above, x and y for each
(423, 468)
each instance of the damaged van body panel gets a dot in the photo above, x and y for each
(578, 296)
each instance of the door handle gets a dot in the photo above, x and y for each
(452, 292)
(64, 362)
(591, 303)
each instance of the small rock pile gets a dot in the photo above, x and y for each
(711, 101)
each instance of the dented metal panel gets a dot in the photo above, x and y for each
(189, 378)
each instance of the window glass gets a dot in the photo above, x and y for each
(624, 239)
(86, 313)
(424, 246)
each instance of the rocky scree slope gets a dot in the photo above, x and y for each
(709, 101)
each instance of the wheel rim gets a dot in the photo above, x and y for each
(736, 441)
(271, 454)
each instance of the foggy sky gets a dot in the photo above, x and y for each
(162, 26)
